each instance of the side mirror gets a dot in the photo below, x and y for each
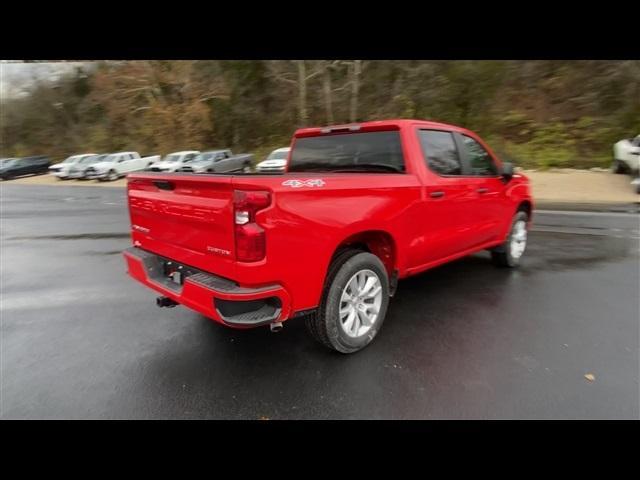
(507, 171)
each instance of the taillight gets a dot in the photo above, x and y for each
(250, 237)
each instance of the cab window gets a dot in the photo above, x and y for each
(480, 162)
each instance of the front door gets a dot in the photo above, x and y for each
(491, 206)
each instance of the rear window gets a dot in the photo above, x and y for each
(367, 151)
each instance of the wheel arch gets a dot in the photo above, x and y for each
(378, 242)
(525, 206)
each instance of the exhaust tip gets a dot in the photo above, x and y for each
(165, 302)
(275, 327)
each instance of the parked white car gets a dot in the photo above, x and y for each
(626, 156)
(117, 165)
(79, 169)
(61, 170)
(173, 161)
(276, 162)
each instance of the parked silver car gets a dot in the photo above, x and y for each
(218, 161)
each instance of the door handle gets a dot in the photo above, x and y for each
(164, 184)
(483, 190)
(437, 194)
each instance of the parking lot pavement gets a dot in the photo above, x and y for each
(79, 339)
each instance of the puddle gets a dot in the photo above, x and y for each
(565, 251)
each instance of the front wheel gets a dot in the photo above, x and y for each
(354, 303)
(510, 252)
(112, 175)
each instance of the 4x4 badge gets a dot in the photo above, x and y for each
(312, 182)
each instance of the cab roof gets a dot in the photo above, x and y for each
(395, 124)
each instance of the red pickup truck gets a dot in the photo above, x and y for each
(360, 207)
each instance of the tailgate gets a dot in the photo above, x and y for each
(187, 218)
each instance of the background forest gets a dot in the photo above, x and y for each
(539, 114)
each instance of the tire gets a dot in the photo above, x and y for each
(112, 175)
(326, 324)
(246, 169)
(509, 254)
(618, 167)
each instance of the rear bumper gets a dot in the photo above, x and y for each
(215, 297)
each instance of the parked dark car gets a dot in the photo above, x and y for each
(24, 166)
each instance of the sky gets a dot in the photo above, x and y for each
(16, 76)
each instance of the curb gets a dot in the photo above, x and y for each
(588, 207)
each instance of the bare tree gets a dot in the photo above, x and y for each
(355, 70)
(301, 85)
(327, 67)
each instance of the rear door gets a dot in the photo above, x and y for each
(130, 163)
(223, 162)
(27, 166)
(445, 220)
(120, 164)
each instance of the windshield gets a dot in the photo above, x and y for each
(93, 159)
(278, 155)
(71, 159)
(171, 158)
(369, 151)
(8, 162)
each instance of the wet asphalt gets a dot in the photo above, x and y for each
(80, 340)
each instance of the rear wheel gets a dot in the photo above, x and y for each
(510, 252)
(354, 302)
(112, 175)
(618, 166)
